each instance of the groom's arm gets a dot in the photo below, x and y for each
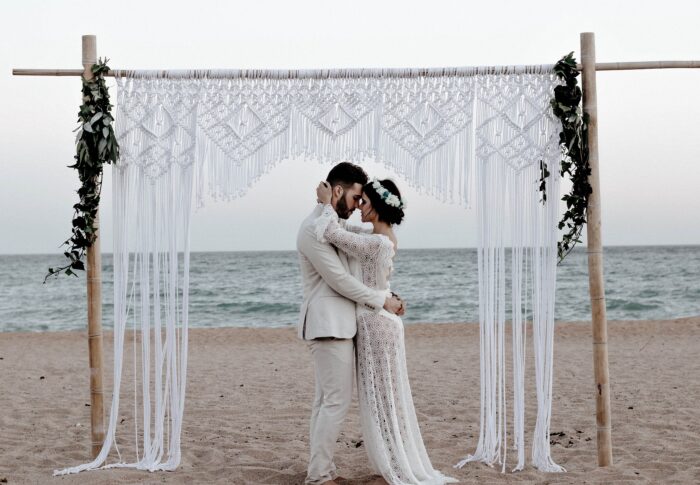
(324, 259)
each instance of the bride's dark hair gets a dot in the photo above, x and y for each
(385, 212)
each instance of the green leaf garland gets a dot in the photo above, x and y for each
(95, 146)
(566, 105)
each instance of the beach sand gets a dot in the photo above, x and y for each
(249, 394)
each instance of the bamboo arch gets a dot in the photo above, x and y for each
(588, 67)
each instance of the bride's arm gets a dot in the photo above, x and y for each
(358, 229)
(357, 245)
(329, 229)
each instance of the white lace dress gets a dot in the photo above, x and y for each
(389, 425)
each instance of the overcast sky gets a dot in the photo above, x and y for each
(648, 120)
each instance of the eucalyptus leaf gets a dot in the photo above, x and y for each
(566, 107)
(95, 146)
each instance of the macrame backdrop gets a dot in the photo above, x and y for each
(186, 136)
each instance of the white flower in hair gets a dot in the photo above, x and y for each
(386, 196)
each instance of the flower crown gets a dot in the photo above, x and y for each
(386, 196)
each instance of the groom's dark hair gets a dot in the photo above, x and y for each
(346, 174)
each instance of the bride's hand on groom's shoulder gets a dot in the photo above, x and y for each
(324, 192)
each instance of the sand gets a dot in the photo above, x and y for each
(249, 395)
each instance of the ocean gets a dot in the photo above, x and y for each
(263, 289)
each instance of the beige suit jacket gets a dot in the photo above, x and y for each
(330, 289)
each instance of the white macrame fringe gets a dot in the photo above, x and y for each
(507, 199)
(190, 135)
(151, 281)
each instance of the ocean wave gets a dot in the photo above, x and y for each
(260, 289)
(630, 306)
(258, 307)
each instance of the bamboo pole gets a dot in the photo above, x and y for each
(631, 66)
(595, 257)
(94, 297)
(601, 66)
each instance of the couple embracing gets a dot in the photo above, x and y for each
(351, 322)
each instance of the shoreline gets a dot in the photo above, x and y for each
(108, 330)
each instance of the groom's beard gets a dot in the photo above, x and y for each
(341, 208)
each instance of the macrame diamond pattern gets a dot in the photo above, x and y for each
(157, 125)
(420, 119)
(162, 120)
(512, 122)
(335, 106)
(241, 117)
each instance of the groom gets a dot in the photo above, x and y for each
(332, 288)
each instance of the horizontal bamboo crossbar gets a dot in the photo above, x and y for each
(632, 66)
(600, 66)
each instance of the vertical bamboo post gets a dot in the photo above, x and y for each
(94, 297)
(595, 257)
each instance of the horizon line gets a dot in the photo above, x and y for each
(581, 246)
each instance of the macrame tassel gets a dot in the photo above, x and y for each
(490, 200)
(152, 210)
(544, 288)
(509, 116)
(519, 254)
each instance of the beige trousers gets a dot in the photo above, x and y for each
(333, 366)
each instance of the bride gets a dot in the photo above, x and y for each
(389, 425)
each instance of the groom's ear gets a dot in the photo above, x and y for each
(338, 191)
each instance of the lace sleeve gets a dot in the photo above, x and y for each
(358, 229)
(358, 245)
